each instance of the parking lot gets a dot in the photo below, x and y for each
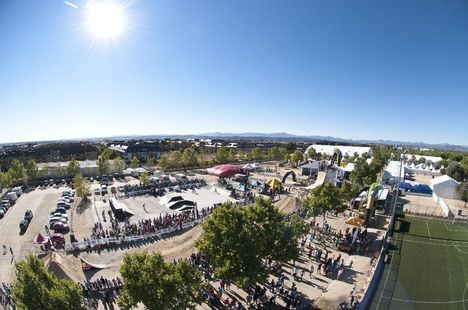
(41, 202)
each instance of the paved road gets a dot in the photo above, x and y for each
(41, 202)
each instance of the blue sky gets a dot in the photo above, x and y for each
(353, 69)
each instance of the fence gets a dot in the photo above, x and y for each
(442, 204)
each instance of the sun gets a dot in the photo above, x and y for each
(104, 19)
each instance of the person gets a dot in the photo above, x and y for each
(4, 250)
(311, 270)
(351, 264)
(11, 251)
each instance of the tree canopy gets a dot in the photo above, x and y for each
(456, 171)
(81, 186)
(323, 198)
(31, 169)
(73, 167)
(159, 285)
(17, 170)
(37, 288)
(134, 162)
(237, 239)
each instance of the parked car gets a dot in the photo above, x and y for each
(51, 182)
(62, 215)
(2, 213)
(113, 190)
(97, 191)
(23, 225)
(57, 238)
(63, 204)
(55, 222)
(65, 199)
(59, 210)
(5, 204)
(28, 215)
(60, 227)
(12, 196)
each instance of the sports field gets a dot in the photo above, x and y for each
(428, 268)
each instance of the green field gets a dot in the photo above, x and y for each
(428, 268)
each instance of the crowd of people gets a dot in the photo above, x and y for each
(148, 226)
(6, 297)
(101, 288)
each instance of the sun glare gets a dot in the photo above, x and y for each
(105, 19)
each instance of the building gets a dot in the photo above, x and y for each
(445, 187)
(344, 149)
(394, 172)
(144, 151)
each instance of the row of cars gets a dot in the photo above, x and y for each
(9, 200)
(58, 219)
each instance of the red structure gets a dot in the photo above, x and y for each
(226, 171)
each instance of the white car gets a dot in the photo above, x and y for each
(62, 215)
(56, 219)
(65, 199)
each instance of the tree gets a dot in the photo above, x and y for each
(272, 233)
(362, 173)
(119, 164)
(150, 162)
(81, 186)
(73, 167)
(164, 161)
(222, 155)
(159, 285)
(103, 163)
(144, 178)
(256, 153)
(201, 159)
(290, 147)
(37, 288)
(463, 190)
(456, 171)
(134, 162)
(238, 239)
(349, 191)
(31, 169)
(296, 157)
(5, 179)
(312, 153)
(323, 198)
(60, 171)
(227, 242)
(17, 170)
(189, 157)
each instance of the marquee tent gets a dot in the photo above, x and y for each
(226, 171)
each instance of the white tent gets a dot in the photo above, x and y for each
(445, 187)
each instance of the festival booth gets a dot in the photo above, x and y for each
(226, 171)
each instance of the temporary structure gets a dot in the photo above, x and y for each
(226, 171)
(40, 239)
(445, 187)
(274, 183)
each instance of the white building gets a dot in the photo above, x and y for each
(344, 149)
(434, 159)
(445, 187)
(394, 172)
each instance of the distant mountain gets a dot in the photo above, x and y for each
(280, 136)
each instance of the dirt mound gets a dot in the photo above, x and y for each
(64, 266)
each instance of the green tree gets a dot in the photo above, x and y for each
(272, 233)
(37, 288)
(456, 171)
(349, 191)
(227, 241)
(222, 155)
(60, 170)
(134, 162)
(362, 173)
(256, 153)
(312, 153)
(103, 163)
(189, 157)
(201, 159)
(291, 147)
(463, 190)
(296, 157)
(164, 161)
(323, 198)
(159, 285)
(31, 169)
(119, 164)
(150, 162)
(73, 167)
(144, 178)
(81, 186)
(5, 179)
(17, 170)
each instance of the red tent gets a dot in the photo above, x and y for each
(40, 239)
(226, 171)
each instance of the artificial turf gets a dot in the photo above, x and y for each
(428, 267)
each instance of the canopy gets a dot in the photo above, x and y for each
(226, 171)
(256, 183)
(40, 239)
(274, 183)
(355, 221)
